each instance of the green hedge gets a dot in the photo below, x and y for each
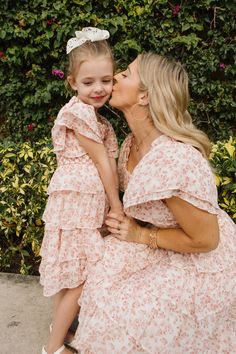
(25, 173)
(34, 33)
(223, 158)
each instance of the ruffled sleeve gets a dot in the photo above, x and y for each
(76, 117)
(110, 141)
(171, 169)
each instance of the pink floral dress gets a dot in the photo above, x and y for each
(77, 201)
(139, 300)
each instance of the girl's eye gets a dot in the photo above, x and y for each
(124, 75)
(87, 83)
(107, 81)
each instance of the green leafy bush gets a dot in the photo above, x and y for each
(223, 158)
(25, 173)
(33, 36)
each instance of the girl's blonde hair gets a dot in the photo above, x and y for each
(85, 51)
(167, 85)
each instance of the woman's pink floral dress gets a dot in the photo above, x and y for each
(138, 300)
(77, 201)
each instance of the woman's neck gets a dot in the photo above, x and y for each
(142, 127)
(144, 133)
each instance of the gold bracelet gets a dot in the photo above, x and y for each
(153, 239)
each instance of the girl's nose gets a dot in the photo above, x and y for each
(98, 87)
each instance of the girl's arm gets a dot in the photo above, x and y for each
(198, 232)
(98, 154)
(114, 170)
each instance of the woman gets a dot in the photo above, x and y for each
(166, 283)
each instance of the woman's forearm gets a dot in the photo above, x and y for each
(171, 239)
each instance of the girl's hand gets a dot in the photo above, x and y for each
(117, 210)
(122, 227)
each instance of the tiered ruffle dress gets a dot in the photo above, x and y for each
(138, 300)
(77, 201)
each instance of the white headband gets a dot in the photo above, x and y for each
(92, 34)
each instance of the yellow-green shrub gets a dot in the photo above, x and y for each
(24, 173)
(223, 158)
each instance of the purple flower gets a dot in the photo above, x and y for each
(58, 73)
(1, 54)
(222, 66)
(176, 10)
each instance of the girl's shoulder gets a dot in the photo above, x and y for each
(76, 110)
(76, 106)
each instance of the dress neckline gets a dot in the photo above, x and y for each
(128, 149)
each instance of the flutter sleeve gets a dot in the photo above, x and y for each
(79, 118)
(172, 169)
(110, 141)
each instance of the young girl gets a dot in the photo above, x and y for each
(86, 148)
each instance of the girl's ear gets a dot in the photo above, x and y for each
(143, 99)
(71, 82)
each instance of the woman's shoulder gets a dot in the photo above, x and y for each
(167, 148)
(169, 159)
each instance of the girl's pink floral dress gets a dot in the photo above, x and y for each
(77, 201)
(138, 300)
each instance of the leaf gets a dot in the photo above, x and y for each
(185, 27)
(230, 148)
(25, 253)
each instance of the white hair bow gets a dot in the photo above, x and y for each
(92, 34)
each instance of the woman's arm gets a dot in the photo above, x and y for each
(198, 232)
(98, 154)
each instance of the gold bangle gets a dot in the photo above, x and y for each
(153, 239)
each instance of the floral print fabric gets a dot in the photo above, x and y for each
(138, 300)
(77, 202)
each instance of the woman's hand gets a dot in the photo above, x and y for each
(123, 227)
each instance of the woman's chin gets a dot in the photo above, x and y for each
(112, 102)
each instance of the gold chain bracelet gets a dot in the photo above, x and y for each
(153, 239)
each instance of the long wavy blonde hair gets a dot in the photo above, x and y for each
(167, 85)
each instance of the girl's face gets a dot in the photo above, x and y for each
(125, 93)
(93, 81)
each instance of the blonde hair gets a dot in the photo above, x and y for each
(85, 51)
(167, 85)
